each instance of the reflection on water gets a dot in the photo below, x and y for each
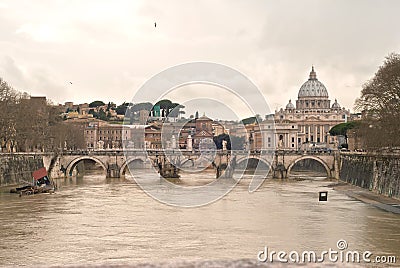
(93, 220)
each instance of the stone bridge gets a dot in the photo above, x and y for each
(283, 161)
(115, 162)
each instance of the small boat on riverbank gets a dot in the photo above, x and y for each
(41, 184)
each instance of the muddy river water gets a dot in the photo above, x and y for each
(93, 220)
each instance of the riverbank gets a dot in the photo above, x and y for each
(368, 197)
(16, 169)
(378, 172)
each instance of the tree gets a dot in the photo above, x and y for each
(142, 106)
(380, 103)
(121, 109)
(220, 138)
(102, 115)
(35, 131)
(341, 129)
(237, 143)
(176, 110)
(68, 134)
(249, 120)
(32, 124)
(166, 106)
(132, 111)
(8, 103)
(93, 112)
(96, 104)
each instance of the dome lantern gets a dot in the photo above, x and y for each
(335, 105)
(290, 106)
(313, 88)
(313, 74)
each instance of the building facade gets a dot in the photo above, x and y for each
(305, 125)
(302, 125)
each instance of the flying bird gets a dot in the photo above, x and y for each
(155, 24)
(70, 82)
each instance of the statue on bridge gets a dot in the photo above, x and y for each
(166, 169)
(224, 143)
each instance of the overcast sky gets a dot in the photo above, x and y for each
(108, 49)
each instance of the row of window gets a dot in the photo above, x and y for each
(313, 104)
(107, 131)
(299, 140)
(110, 138)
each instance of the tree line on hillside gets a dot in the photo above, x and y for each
(165, 108)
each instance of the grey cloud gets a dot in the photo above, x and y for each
(272, 42)
(34, 81)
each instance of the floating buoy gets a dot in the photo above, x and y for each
(323, 196)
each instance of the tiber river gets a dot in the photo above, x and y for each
(92, 220)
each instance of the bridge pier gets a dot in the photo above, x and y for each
(223, 163)
(167, 169)
(113, 171)
(280, 172)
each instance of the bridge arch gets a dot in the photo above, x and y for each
(128, 161)
(70, 167)
(243, 159)
(319, 160)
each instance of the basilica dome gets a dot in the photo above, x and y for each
(312, 87)
(335, 105)
(290, 106)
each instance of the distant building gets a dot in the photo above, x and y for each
(153, 137)
(355, 140)
(204, 132)
(306, 124)
(143, 115)
(69, 104)
(218, 129)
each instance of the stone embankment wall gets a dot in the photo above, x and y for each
(377, 172)
(16, 169)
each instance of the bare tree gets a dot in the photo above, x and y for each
(32, 124)
(68, 135)
(8, 99)
(380, 102)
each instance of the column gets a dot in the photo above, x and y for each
(287, 141)
(316, 133)
(322, 133)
